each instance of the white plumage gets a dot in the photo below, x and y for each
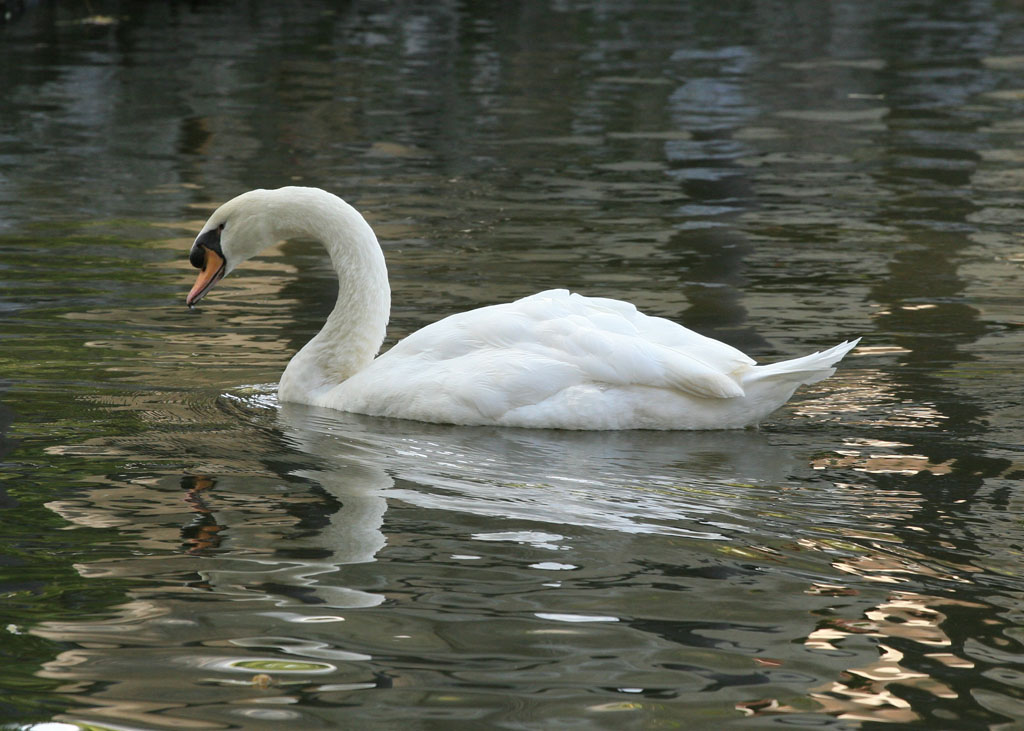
(551, 360)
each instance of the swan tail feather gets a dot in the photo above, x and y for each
(805, 370)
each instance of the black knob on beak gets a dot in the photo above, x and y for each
(197, 256)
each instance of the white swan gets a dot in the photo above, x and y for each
(551, 360)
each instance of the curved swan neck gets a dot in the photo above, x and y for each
(355, 329)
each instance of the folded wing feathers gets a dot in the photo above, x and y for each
(604, 341)
(622, 358)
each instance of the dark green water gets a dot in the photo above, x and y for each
(178, 550)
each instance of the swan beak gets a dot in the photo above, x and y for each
(212, 272)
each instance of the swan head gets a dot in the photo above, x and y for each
(237, 231)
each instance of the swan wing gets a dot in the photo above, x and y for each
(544, 343)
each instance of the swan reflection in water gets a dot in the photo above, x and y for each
(268, 562)
(334, 474)
(628, 481)
(272, 558)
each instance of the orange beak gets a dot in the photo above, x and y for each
(213, 272)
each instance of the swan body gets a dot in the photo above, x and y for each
(550, 360)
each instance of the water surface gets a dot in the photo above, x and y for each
(179, 550)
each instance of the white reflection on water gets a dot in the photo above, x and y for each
(634, 482)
